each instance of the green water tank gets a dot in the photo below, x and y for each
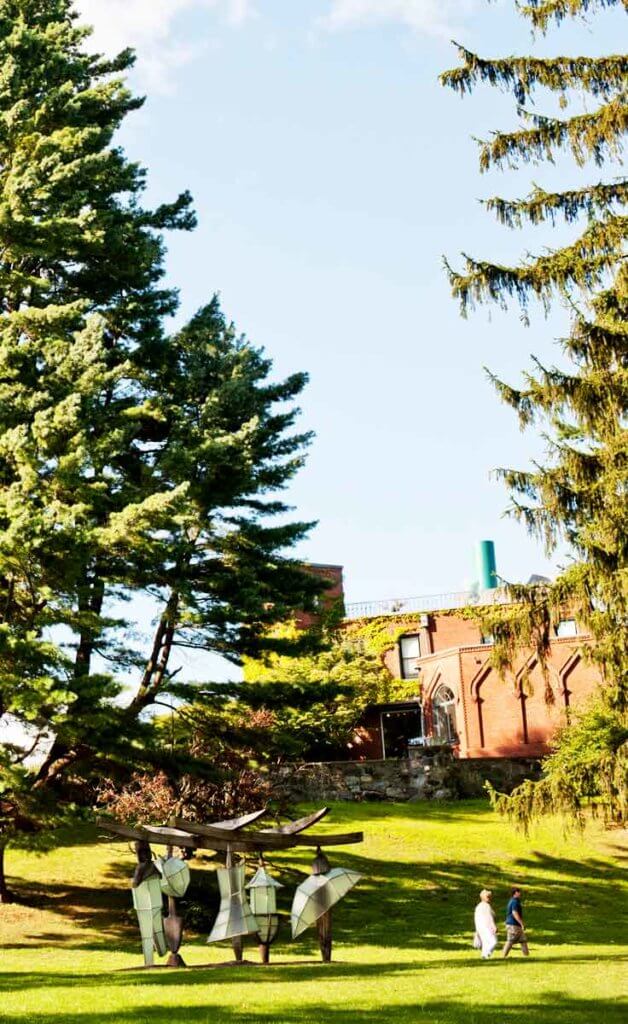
(487, 567)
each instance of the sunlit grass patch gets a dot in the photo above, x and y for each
(402, 937)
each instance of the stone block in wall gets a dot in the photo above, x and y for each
(418, 787)
(378, 786)
(503, 773)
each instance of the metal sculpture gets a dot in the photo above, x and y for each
(315, 897)
(153, 879)
(236, 918)
(263, 898)
(148, 903)
(175, 878)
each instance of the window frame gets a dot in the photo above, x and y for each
(445, 711)
(402, 660)
(566, 636)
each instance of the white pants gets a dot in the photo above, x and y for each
(489, 941)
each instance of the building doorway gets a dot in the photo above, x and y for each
(399, 726)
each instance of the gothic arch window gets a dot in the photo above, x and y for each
(444, 715)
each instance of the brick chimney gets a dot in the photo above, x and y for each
(333, 596)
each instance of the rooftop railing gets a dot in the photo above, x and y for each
(426, 603)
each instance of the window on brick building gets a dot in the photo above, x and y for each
(566, 627)
(444, 716)
(409, 651)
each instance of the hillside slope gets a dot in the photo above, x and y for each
(402, 949)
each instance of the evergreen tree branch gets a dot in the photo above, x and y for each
(542, 278)
(599, 76)
(597, 136)
(542, 12)
(541, 206)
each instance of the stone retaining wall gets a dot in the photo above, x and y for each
(432, 775)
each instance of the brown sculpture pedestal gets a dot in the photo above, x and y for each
(323, 926)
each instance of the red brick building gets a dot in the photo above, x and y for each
(460, 698)
(332, 597)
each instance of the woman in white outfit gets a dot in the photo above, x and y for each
(485, 927)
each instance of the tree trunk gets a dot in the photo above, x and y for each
(60, 756)
(5, 895)
(58, 760)
(157, 664)
(90, 601)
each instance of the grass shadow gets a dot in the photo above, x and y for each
(424, 906)
(555, 1007)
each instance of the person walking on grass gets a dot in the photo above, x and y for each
(515, 928)
(485, 927)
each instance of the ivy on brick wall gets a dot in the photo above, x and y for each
(352, 654)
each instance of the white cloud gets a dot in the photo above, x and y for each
(157, 28)
(150, 26)
(427, 17)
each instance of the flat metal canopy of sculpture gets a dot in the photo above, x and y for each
(232, 836)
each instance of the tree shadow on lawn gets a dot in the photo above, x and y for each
(430, 905)
(411, 906)
(423, 811)
(105, 910)
(102, 916)
(554, 1006)
(218, 975)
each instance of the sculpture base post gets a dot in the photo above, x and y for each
(264, 952)
(237, 949)
(323, 926)
(175, 960)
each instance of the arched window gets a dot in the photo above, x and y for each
(444, 716)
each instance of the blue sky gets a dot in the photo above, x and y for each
(330, 172)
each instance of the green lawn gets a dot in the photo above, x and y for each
(402, 949)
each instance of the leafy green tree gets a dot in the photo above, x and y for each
(132, 462)
(582, 771)
(317, 698)
(225, 741)
(580, 494)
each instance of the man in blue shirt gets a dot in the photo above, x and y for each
(515, 929)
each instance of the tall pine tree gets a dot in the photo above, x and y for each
(580, 495)
(131, 462)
